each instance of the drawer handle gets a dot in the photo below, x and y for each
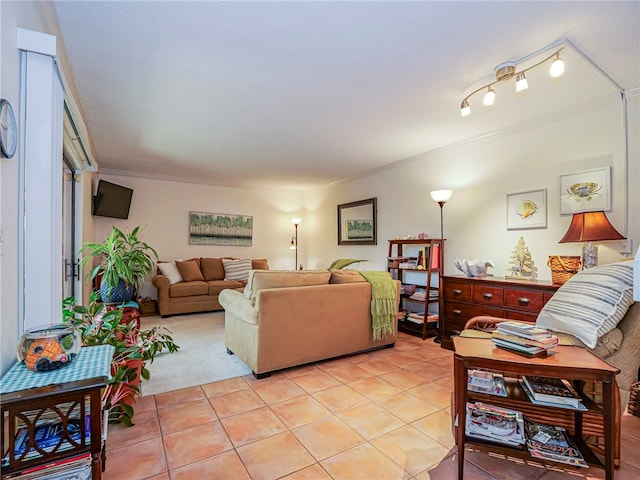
(457, 312)
(457, 291)
(487, 295)
(523, 301)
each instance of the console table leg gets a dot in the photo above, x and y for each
(609, 426)
(460, 394)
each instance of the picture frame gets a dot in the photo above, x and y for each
(220, 229)
(527, 210)
(585, 191)
(357, 222)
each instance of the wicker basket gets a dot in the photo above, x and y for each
(148, 306)
(634, 399)
(563, 267)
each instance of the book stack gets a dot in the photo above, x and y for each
(486, 382)
(501, 426)
(552, 443)
(555, 392)
(524, 338)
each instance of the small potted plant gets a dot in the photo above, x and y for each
(99, 325)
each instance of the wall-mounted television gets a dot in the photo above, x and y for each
(112, 200)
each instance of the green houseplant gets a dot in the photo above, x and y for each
(123, 263)
(134, 348)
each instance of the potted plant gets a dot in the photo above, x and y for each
(123, 263)
(99, 325)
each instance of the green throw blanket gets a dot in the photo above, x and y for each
(344, 262)
(384, 293)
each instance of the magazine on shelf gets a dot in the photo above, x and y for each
(523, 329)
(486, 382)
(497, 425)
(554, 390)
(579, 406)
(552, 443)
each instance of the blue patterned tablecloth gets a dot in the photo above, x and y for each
(91, 362)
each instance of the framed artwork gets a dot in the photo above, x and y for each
(527, 210)
(220, 229)
(586, 191)
(357, 223)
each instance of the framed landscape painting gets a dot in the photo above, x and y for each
(220, 229)
(527, 210)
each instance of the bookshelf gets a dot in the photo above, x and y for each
(417, 264)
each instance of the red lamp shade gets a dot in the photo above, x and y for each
(590, 227)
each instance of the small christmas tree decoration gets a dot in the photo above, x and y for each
(521, 262)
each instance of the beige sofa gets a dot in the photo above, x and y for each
(285, 319)
(197, 284)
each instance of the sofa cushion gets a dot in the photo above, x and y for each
(186, 289)
(190, 270)
(216, 286)
(212, 268)
(346, 276)
(591, 303)
(263, 279)
(259, 264)
(236, 269)
(170, 270)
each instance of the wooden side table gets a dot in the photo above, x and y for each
(569, 362)
(73, 391)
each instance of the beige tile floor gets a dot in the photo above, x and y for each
(375, 416)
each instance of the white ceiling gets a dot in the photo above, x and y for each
(301, 94)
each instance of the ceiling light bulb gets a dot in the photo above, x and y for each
(557, 67)
(465, 109)
(489, 97)
(521, 82)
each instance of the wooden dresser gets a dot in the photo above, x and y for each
(462, 298)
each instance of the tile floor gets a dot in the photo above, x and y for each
(375, 416)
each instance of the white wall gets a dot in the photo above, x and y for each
(482, 173)
(164, 206)
(12, 15)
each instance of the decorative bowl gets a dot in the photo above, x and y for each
(49, 347)
(408, 289)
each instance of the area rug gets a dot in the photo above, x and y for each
(202, 357)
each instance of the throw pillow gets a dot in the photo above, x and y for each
(170, 270)
(212, 268)
(190, 270)
(259, 264)
(346, 276)
(591, 303)
(236, 269)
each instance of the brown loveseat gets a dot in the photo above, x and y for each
(285, 319)
(196, 284)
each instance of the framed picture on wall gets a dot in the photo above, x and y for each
(220, 229)
(527, 210)
(586, 191)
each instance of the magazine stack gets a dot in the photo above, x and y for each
(554, 392)
(523, 338)
(497, 425)
(486, 382)
(552, 443)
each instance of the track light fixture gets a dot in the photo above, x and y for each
(506, 71)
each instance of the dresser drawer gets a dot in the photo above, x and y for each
(523, 299)
(463, 311)
(457, 291)
(521, 316)
(488, 295)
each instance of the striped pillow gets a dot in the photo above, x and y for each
(236, 269)
(591, 303)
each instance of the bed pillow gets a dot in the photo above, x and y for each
(189, 270)
(236, 269)
(170, 270)
(591, 303)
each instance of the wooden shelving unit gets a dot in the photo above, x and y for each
(402, 252)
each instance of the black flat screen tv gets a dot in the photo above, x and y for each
(112, 200)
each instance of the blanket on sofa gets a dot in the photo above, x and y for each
(344, 262)
(383, 302)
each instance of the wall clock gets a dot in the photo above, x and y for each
(8, 129)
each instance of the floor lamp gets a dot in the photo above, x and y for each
(294, 240)
(441, 197)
